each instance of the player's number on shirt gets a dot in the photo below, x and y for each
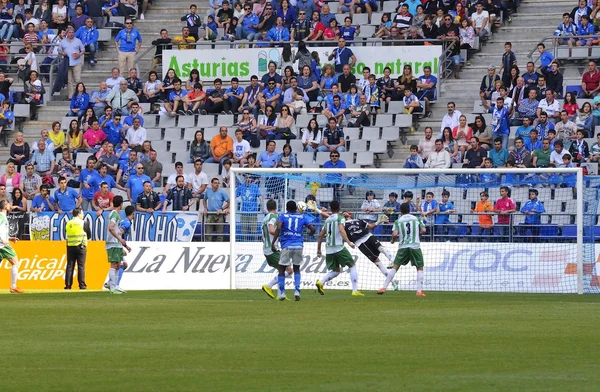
(293, 223)
(407, 228)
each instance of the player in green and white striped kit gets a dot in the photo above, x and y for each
(268, 227)
(6, 251)
(337, 255)
(409, 227)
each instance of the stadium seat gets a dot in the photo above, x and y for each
(178, 146)
(370, 133)
(469, 219)
(160, 146)
(321, 120)
(303, 119)
(552, 206)
(296, 145)
(383, 120)
(322, 157)
(324, 194)
(569, 231)
(333, 6)
(366, 31)
(211, 169)
(209, 133)
(550, 232)
(378, 146)
(182, 156)
(186, 121)
(166, 122)
(66, 121)
(358, 146)
(352, 133)
(153, 134)
(225, 120)
(361, 20)
(189, 133)
(478, 107)
(560, 219)
(305, 157)
(364, 158)
(347, 157)
(395, 107)
(403, 120)
(149, 120)
(81, 159)
(390, 134)
(390, 6)
(563, 194)
(205, 122)
(262, 147)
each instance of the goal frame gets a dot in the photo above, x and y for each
(454, 171)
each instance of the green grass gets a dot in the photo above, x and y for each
(242, 341)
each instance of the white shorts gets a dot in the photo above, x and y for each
(291, 256)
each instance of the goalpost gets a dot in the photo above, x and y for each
(549, 252)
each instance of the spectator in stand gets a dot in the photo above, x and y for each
(152, 89)
(271, 94)
(499, 154)
(134, 83)
(585, 118)
(532, 209)
(175, 99)
(98, 99)
(88, 35)
(481, 21)
(462, 134)
(384, 27)
(541, 157)
(133, 114)
(504, 207)
(595, 150)
(192, 22)
(136, 135)
(110, 162)
(241, 149)
(451, 119)
(86, 179)
(30, 182)
(19, 151)
(518, 92)
(403, 20)
(334, 180)
(532, 143)
(127, 42)
(221, 148)
(43, 201)
(336, 110)
(426, 85)
(233, 97)
(247, 25)
(103, 199)
(185, 40)
(115, 79)
(414, 160)
(581, 9)
(570, 105)
(80, 101)
(333, 138)
(451, 146)
(214, 100)
(164, 42)
(579, 149)
(198, 180)
(278, 33)
(488, 83)
(93, 138)
(564, 31)
(585, 28)
(195, 100)
(113, 130)
(346, 80)
(66, 198)
(343, 56)
(520, 156)
(566, 129)
(136, 182)
(44, 160)
(121, 98)
(486, 223)
(127, 166)
(427, 144)
(439, 158)
(153, 169)
(590, 82)
(317, 27)
(361, 113)
(180, 196)
(527, 108)
(500, 119)
(216, 207)
(508, 60)
(482, 131)
(475, 155)
(312, 136)
(147, 200)
(391, 208)
(555, 80)
(530, 76)
(57, 137)
(248, 125)
(543, 125)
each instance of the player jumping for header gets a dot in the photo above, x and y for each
(409, 227)
(289, 231)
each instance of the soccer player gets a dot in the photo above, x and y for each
(290, 226)
(125, 231)
(114, 246)
(268, 227)
(358, 231)
(409, 227)
(337, 254)
(6, 251)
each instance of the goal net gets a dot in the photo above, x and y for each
(546, 245)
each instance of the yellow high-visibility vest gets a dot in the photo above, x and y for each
(75, 233)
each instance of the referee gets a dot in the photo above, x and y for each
(78, 233)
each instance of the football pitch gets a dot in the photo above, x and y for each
(243, 341)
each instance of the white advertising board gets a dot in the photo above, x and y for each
(491, 267)
(243, 63)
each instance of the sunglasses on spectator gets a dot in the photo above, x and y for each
(128, 22)
(245, 113)
(271, 83)
(302, 13)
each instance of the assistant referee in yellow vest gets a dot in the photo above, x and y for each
(78, 233)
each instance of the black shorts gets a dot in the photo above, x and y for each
(370, 248)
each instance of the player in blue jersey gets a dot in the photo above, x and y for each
(290, 227)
